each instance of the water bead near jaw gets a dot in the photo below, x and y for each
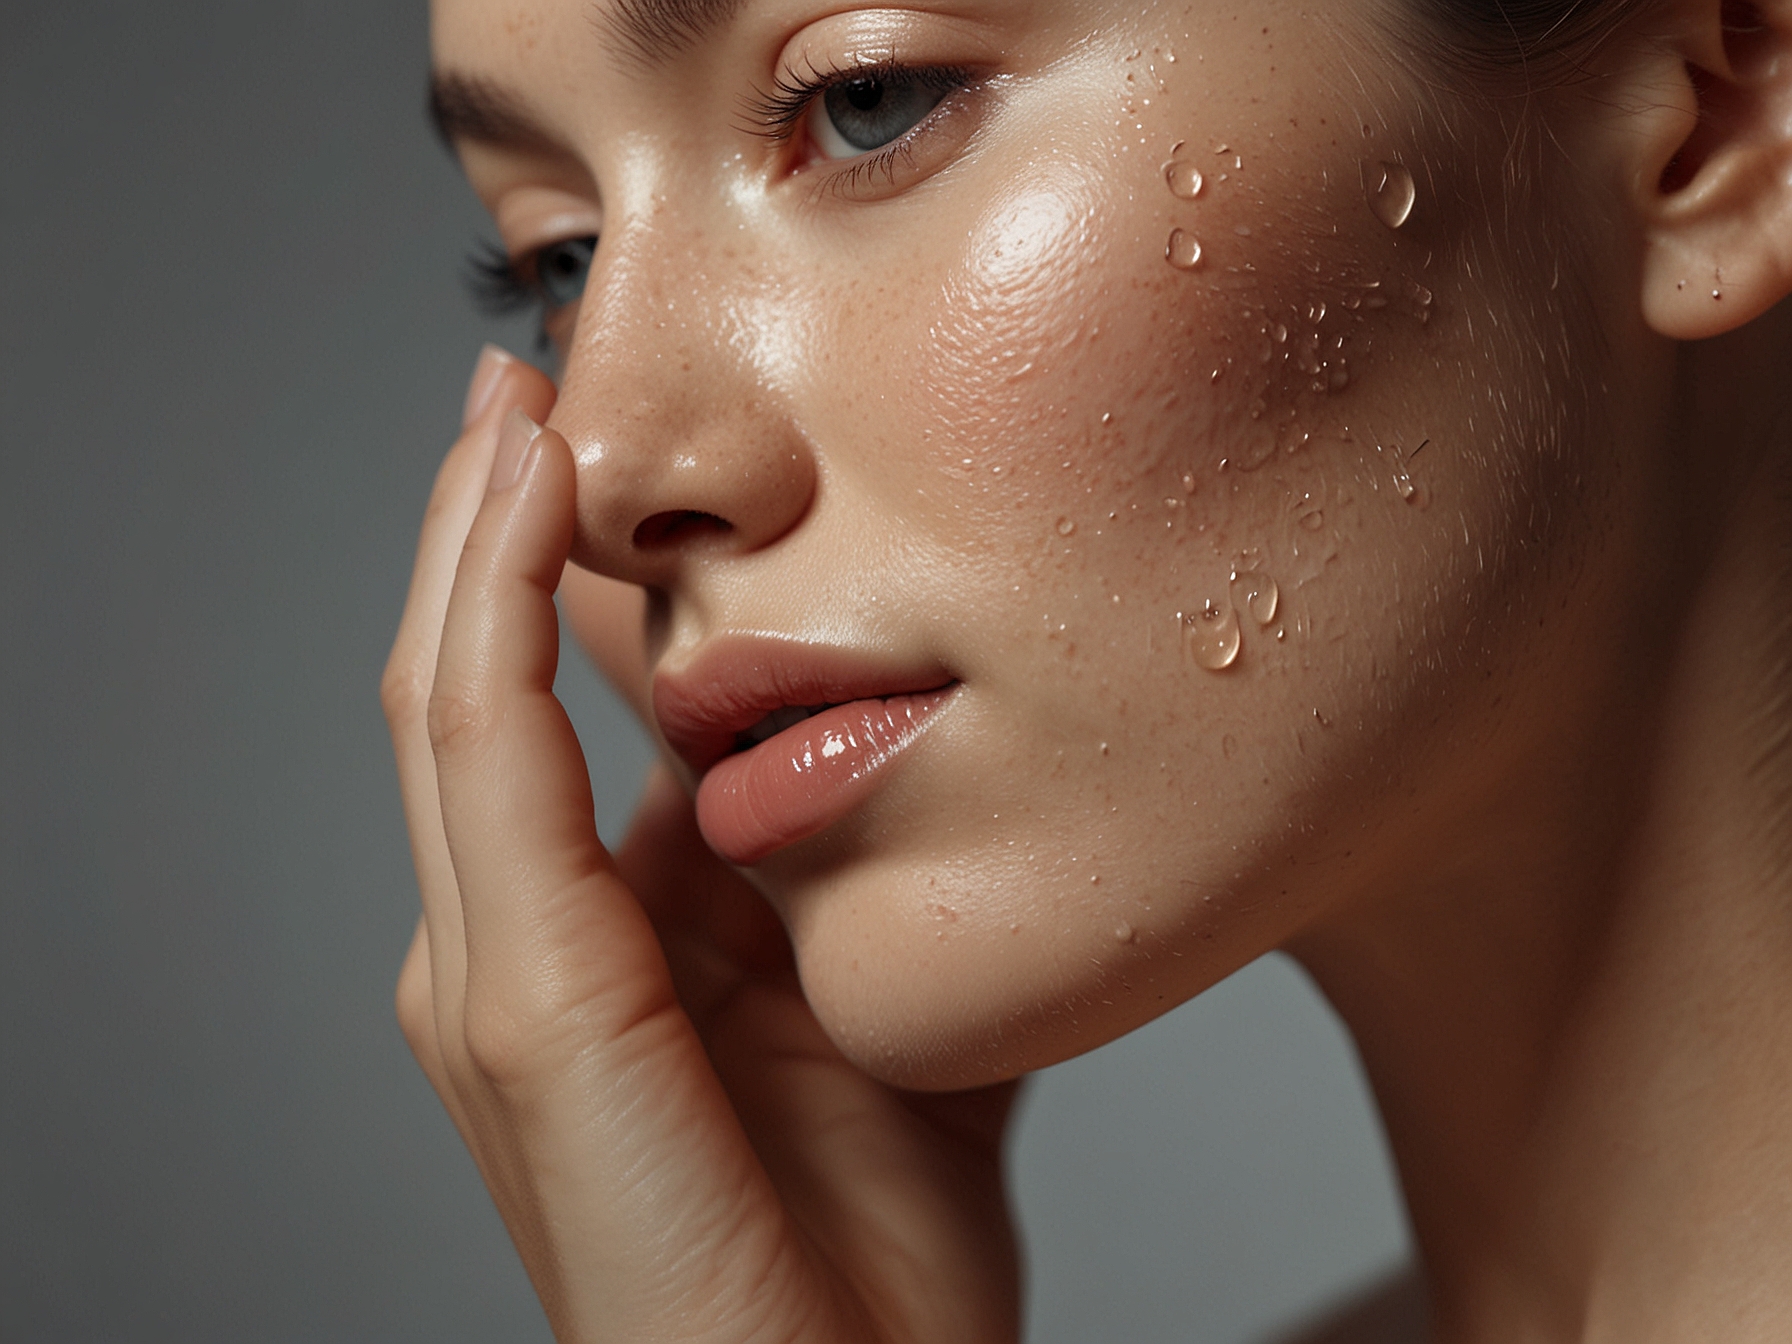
(1213, 636)
(1183, 250)
(1124, 933)
(1391, 192)
(1183, 179)
(1066, 527)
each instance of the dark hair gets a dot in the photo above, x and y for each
(1527, 37)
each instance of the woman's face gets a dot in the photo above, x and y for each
(1198, 393)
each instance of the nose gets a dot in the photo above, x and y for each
(687, 451)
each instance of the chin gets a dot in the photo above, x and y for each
(944, 976)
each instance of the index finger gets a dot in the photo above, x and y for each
(410, 670)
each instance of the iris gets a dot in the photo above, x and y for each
(864, 113)
(561, 269)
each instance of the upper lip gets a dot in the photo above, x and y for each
(736, 681)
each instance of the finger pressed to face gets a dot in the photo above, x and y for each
(500, 383)
(1173, 395)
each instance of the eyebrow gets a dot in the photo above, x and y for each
(465, 107)
(654, 31)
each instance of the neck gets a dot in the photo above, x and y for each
(1580, 1035)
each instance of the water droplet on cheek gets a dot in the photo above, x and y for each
(1212, 635)
(1123, 932)
(1066, 527)
(1183, 251)
(1391, 192)
(1183, 178)
(1258, 594)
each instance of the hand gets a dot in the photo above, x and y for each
(677, 1149)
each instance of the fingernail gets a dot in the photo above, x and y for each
(514, 442)
(486, 375)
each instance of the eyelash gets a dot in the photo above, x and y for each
(503, 286)
(500, 285)
(775, 114)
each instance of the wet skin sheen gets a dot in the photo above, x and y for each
(1266, 526)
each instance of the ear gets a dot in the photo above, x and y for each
(1717, 207)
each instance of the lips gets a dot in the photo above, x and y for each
(789, 738)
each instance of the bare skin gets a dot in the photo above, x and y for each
(1590, 1100)
(1536, 851)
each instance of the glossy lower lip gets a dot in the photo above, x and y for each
(803, 780)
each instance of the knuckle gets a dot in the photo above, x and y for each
(523, 1035)
(459, 718)
(415, 1005)
(508, 1045)
(404, 695)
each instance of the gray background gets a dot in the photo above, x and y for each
(234, 348)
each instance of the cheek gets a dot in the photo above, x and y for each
(1023, 303)
(1211, 593)
(1088, 369)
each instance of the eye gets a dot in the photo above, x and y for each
(550, 281)
(560, 270)
(866, 112)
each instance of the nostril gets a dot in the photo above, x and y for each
(678, 527)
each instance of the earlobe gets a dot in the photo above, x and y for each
(1718, 216)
